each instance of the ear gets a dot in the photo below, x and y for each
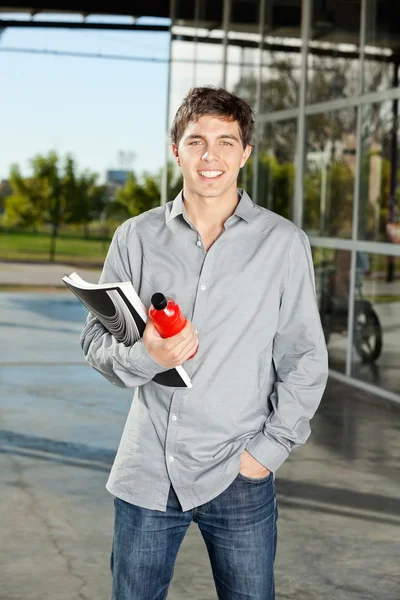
(176, 153)
(246, 154)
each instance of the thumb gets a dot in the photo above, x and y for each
(151, 328)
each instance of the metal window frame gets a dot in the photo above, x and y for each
(331, 105)
(257, 123)
(362, 385)
(385, 248)
(226, 18)
(164, 180)
(356, 201)
(298, 199)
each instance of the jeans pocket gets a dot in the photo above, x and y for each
(254, 479)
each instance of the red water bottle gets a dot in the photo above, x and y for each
(166, 316)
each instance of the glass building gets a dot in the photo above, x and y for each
(322, 79)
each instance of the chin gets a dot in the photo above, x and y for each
(210, 193)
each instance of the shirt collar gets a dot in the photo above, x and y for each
(244, 209)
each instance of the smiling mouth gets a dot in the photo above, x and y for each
(210, 175)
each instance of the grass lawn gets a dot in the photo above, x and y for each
(383, 299)
(36, 246)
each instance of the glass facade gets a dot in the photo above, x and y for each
(322, 79)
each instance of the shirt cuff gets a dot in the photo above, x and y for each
(141, 358)
(137, 359)
(266, 452)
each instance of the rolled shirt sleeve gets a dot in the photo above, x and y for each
(300, 360)
(123, 366)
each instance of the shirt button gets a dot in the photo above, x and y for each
(203, 287)
(174, 418)
(171, 458)
(198, 242)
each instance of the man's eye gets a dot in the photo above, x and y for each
(195, 143)
(227, 143)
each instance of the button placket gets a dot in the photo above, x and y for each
(172, 431)
(201, 298)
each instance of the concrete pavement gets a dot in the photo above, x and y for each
(41, 274)
(60, 424)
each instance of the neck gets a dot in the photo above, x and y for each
(210, 214)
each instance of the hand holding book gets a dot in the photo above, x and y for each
(120, 310)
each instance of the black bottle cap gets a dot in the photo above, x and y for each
(159, 301)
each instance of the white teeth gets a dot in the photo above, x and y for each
(210, 174)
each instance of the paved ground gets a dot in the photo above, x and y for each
(38, 274)
(60, 424)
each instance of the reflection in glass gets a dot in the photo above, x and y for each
(332, 279)
(376, 334)
(276, 168)
(281, 56)
(381, 63)
(243, 69)
(243, 52)
(333, 51)
(329, 173)
(379, 216)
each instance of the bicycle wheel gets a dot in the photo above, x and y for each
(367, 334)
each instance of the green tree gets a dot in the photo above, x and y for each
(135, 196)
(84, 199)
(5, 191)
(55, 193)
(25, 206)
(142, 193)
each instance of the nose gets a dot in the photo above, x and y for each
(209, 156)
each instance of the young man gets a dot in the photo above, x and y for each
(244, 279)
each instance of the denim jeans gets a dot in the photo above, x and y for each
(239, 530)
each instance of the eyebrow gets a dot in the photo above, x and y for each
(194, 136)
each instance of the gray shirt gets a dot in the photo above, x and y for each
(261, 367)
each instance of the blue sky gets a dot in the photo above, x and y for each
(90, 107)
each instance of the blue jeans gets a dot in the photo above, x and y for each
(238, 527)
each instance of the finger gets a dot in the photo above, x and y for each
(186, 344)
(178, 344)
(183, 350)
(190, 351)
(149, 324)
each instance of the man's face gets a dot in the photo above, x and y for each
(210, 154)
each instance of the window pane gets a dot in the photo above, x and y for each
(329, 173)
(276, 167)
(243, 53)
(376, 349)
(196, 49)
(281, 56)
(332, 277)
(243, 69)
(382, 39)
(333, 59)
(379, 217)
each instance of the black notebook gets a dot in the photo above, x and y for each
(118, 307)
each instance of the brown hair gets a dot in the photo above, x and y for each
(214, 101)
